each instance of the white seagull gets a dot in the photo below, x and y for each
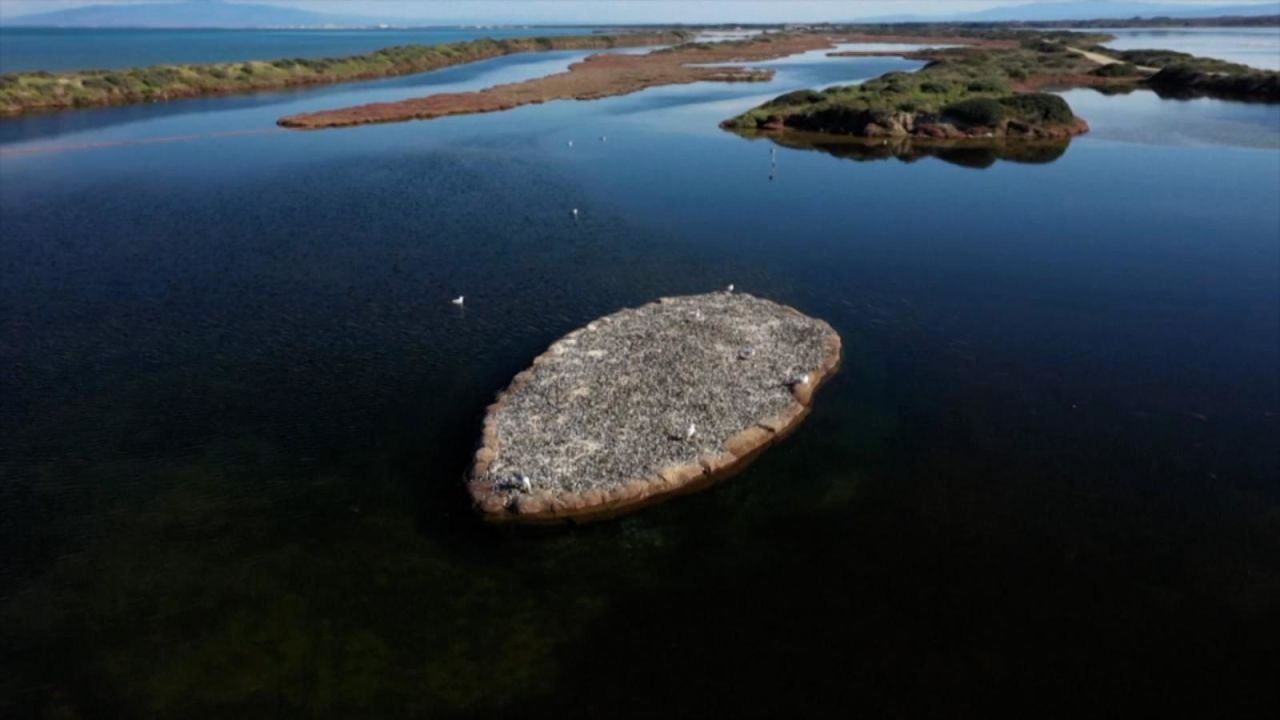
(603, 138)
(688, 434)
(525, 484)
(457, 300)
(570, 143)
(575, 213)
(729, 289)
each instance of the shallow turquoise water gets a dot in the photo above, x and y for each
(238, 407)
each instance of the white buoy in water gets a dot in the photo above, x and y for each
(570, 143)
(575, 213)
(457, 300)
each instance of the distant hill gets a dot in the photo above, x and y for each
(188, 14)
(1090, 10)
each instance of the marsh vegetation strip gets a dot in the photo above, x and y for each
(976, 93)
(24, 92)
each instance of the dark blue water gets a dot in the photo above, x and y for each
(84, 48)
(237, 408)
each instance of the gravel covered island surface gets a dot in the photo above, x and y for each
(647, 402)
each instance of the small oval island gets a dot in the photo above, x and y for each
(648, 402)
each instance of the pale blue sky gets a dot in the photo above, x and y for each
(620, 11)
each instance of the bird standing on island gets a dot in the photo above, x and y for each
(525, 484)
(688, 434)
(457, 300)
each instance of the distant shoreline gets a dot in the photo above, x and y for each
(29, 92)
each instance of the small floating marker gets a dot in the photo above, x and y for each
(570, 143)
(457, 300)
(575, 213)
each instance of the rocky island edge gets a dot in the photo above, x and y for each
(646, 403)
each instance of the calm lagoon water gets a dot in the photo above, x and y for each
(238, 406)
(1256, 46)
(84, 48)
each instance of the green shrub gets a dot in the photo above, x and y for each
(798, 97)
(937, 88)
(975, 112)
(1120, 69)
(988, 85)
(1039, 108)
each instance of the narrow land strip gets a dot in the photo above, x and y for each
(26, 92)
(597, 76)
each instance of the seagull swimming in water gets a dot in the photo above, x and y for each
(603, 138)
(457, 300)
(570, 143)
(729, 289)
(575, 213)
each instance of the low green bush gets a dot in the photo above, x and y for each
(988, 85)
(1120, 69)
(1038, 108)
(975, 112)
(796, 98)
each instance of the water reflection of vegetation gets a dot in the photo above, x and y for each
(973, 154)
